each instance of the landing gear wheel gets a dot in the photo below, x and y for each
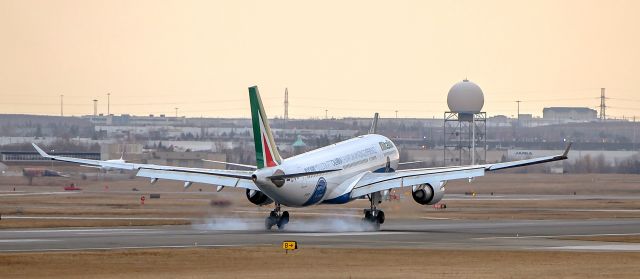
(276, 219)
(269, 222)
(284, 219)
(367, 215)
(374, 218)
(380, 217)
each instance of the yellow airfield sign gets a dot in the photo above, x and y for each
(289, 245)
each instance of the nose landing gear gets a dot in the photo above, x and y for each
(276, 218)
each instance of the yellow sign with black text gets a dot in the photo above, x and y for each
(289, 245)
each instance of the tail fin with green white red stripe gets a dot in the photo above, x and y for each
(267, 154)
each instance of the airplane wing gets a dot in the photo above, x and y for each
(374, 182)
(229, 178)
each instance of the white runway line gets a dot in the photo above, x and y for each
(435, 218)
(604, 247)
(25, 240)
(91, 218)
(552, 236)
(38, 193)
(73, 230)
(596, 210)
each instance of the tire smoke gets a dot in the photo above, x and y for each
(322, 224)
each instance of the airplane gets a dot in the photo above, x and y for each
(362, 167)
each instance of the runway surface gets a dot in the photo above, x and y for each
(349, 232)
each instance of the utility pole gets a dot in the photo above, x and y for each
(518, 121)
(396, 114)
(108, 104)
(61, 102)
(95, 107)
(518, 102)
(176, 112)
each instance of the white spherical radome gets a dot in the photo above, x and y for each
(465, 97)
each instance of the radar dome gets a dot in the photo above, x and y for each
(465, 97)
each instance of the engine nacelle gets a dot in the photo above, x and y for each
(428, 194)
(258, 198)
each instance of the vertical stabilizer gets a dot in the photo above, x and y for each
(374, 124)
(267, 154)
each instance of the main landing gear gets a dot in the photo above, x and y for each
(374, 216)
(276, 218)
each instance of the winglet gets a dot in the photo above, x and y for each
(566, 151)
(42, 153)
(374, 124)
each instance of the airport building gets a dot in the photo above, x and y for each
(569, 114)
(33, 156)
(126, 119)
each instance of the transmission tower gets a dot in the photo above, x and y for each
(286, 107)
(603, 106)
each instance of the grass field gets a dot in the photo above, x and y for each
(272, 262)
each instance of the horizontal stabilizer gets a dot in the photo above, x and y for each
(231, 164)
(294, 175)
(410, 163)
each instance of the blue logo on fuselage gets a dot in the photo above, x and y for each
(318, 192)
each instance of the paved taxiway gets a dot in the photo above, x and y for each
(420, 233)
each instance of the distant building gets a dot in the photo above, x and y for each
(299, 146)
(569, 114)
(126, 119)
(32, 156)
(116, 150)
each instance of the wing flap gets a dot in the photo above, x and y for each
(437, 177)
(374, 182)
(375, 187)
(195, 177)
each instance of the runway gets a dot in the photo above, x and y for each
(419, 233)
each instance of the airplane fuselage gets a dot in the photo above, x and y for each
(352, 159)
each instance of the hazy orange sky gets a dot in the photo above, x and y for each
(350, 57)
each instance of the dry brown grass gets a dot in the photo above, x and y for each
(272, 262)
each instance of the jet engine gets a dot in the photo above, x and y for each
(428, 193)
(258, 198)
